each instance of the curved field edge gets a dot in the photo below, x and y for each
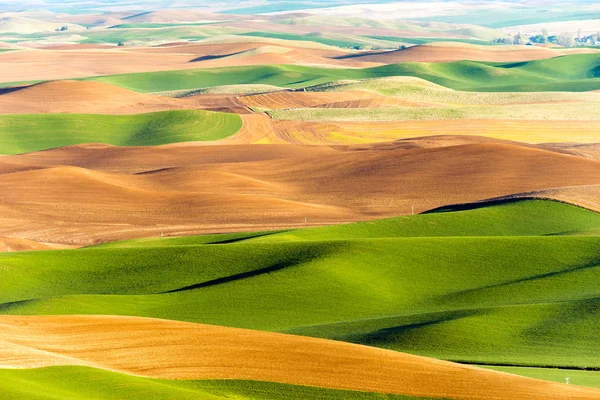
(176, 350)
(432, 284)
(577, 73)
(83, 383)
(21, 133)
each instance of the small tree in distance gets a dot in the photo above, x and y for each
(566, 39)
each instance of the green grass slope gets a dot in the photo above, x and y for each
(576, 377)
(579, 72)
(512, 283)
(82, 383)
(275, 75)
(20, 133)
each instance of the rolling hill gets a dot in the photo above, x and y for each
(532, 76)
(72, 383)
(415, 284)
(86, 60)
(337, 204)
(124, 192)
(191, 72)
(82, 97)
(30, 132)
(176, 350)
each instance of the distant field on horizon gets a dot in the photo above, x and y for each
(581, 75)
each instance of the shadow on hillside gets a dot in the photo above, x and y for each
(10, 89)
(214, 57)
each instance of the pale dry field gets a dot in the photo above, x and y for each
(178, 350)
(262, 129)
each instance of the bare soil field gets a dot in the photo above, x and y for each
(445, 52)
(86, 194)
(73, 62)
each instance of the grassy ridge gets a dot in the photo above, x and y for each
(20, 133)
(275, 75)
(580, 72)
(82, 383)
(433, 284)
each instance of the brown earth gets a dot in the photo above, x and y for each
(103, 98)
(347, 99)
(262, 129)
(87, 194)
(52, 64)
(66, 62)
(178, 350)
(587, 150)
(457, 52)
(16, 244)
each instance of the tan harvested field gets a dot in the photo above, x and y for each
(16, 244)
(348, 99)
(87, 194)
(178, 350)
(262, 129)
(443, 52)
(589, 150)
(77, 61)
(103, 98)
(51, 64)
(587, 196)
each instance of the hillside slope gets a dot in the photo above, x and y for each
(510, 284)
(176, 350)
(23, 133)
(92, 193)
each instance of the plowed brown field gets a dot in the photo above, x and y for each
(88, 194)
